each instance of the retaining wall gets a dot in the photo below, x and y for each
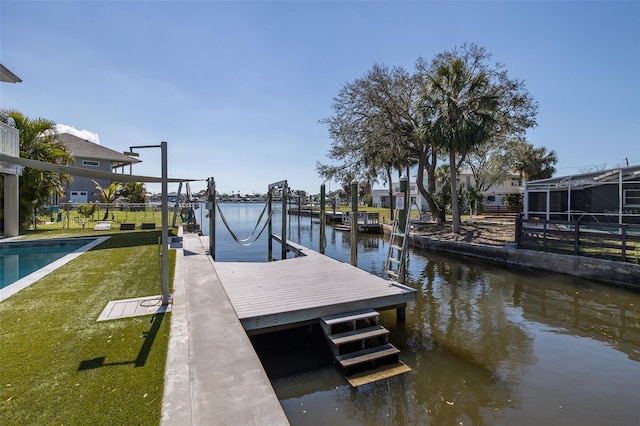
(605, 271)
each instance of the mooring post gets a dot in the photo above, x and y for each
(402, 224)
(401, 314)
(354, 223)
(211, 205)
(323, 219)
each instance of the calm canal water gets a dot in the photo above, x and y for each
(487, 345)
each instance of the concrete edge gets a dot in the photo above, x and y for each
(603, 271)
(176, 398)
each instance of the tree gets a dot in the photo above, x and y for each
(134, 192)
(490, 163)
(38, 141)
(85, 212)
(468, 102)
(108, 195)
(374, 128)
(533, 163)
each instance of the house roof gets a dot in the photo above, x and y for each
(587, 179)
(81, 148)
(7, 76)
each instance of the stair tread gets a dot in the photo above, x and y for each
(365, 355)
(356, 335)
(379, 373)
(349, 316)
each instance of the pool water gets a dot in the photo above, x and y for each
(19, 259)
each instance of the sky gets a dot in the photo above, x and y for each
(237, 89)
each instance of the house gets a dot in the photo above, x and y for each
(9, 145)
(91, 156)
(381, 196)
(607, 196)
(493, 197)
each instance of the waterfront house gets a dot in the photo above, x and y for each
(92, 156)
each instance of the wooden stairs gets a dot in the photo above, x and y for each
(361, 347)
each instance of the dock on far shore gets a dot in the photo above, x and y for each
(368, 222)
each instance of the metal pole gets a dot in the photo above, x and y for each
(269, 230)
(165, 227)
(354, 223)
(211, 201)
(285, 189)
(323, 219)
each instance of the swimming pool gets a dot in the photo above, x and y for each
(23, 262)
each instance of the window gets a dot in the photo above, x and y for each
(491, 198)
(91, 163)
(632, 197)
(516, 182)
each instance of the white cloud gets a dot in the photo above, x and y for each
(84, 134)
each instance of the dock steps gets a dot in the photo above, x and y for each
(361, 346)
(367, 355)
(379, 373)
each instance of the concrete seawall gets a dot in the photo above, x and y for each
(604, 271)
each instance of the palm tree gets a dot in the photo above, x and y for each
(38, 141)
(466, 106)
(533, 163)
(469, 103)
(108, 195)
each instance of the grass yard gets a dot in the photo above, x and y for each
(58, 365)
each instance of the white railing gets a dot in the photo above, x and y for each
(9, 145)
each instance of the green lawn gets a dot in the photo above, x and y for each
(58, 365)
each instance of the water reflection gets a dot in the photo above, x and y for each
(486, 344)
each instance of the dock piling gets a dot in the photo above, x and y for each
(354, 223)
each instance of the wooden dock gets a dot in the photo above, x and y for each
(293, 292)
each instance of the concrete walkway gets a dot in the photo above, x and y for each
(213, 375)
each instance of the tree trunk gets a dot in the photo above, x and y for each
(455, 210)
(428, 194)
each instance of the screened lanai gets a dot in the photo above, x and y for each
(607, 196)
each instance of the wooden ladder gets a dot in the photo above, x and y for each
(361, 347)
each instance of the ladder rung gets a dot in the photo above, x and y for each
(392, 273)
(398, 234)
(393, 260)
(396, 247)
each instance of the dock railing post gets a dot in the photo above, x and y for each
(285, 190)
(269, 228)
(354, 223)
(323, 219)
(211, 205)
